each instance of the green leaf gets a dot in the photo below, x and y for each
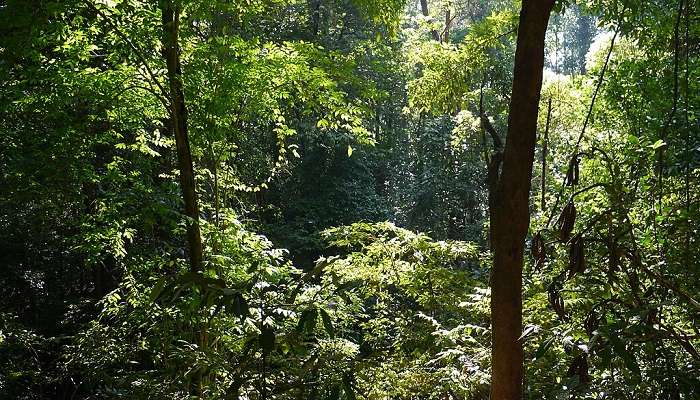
(544, 346)
(627, 357)
(529, 330)
(327, 323)
(307, 321)
(349, 151)
(658, 144)
(157, 289)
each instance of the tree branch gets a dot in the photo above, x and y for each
(486, 124)
(133, 47)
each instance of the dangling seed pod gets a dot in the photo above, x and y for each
(537, 249)
(652, 317)
(556, 301)
(577, 256)
(613, 260)
(614, 251)
(579, 366)
(633, 280)
(572, 172)
(591, 323)
(566, 221)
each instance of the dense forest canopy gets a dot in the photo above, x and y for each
(349, 199)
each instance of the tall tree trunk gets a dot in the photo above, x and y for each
(511, 214)
(178, 116)
(426, 12)
(584, 36)
(170, 10)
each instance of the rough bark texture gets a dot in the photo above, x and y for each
(511, 216)
(178, 116)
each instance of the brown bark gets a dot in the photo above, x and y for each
(426, 12)
(511, 215)
(178, 116)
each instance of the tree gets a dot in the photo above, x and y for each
(426, 12)
(511, 214)
(178, 124)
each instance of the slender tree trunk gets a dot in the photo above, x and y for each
(178, 116)
(448, 22)
(315, 15)
(426, 12)
(511, 214)
(545, 142)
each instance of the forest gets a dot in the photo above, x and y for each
(349, 199)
